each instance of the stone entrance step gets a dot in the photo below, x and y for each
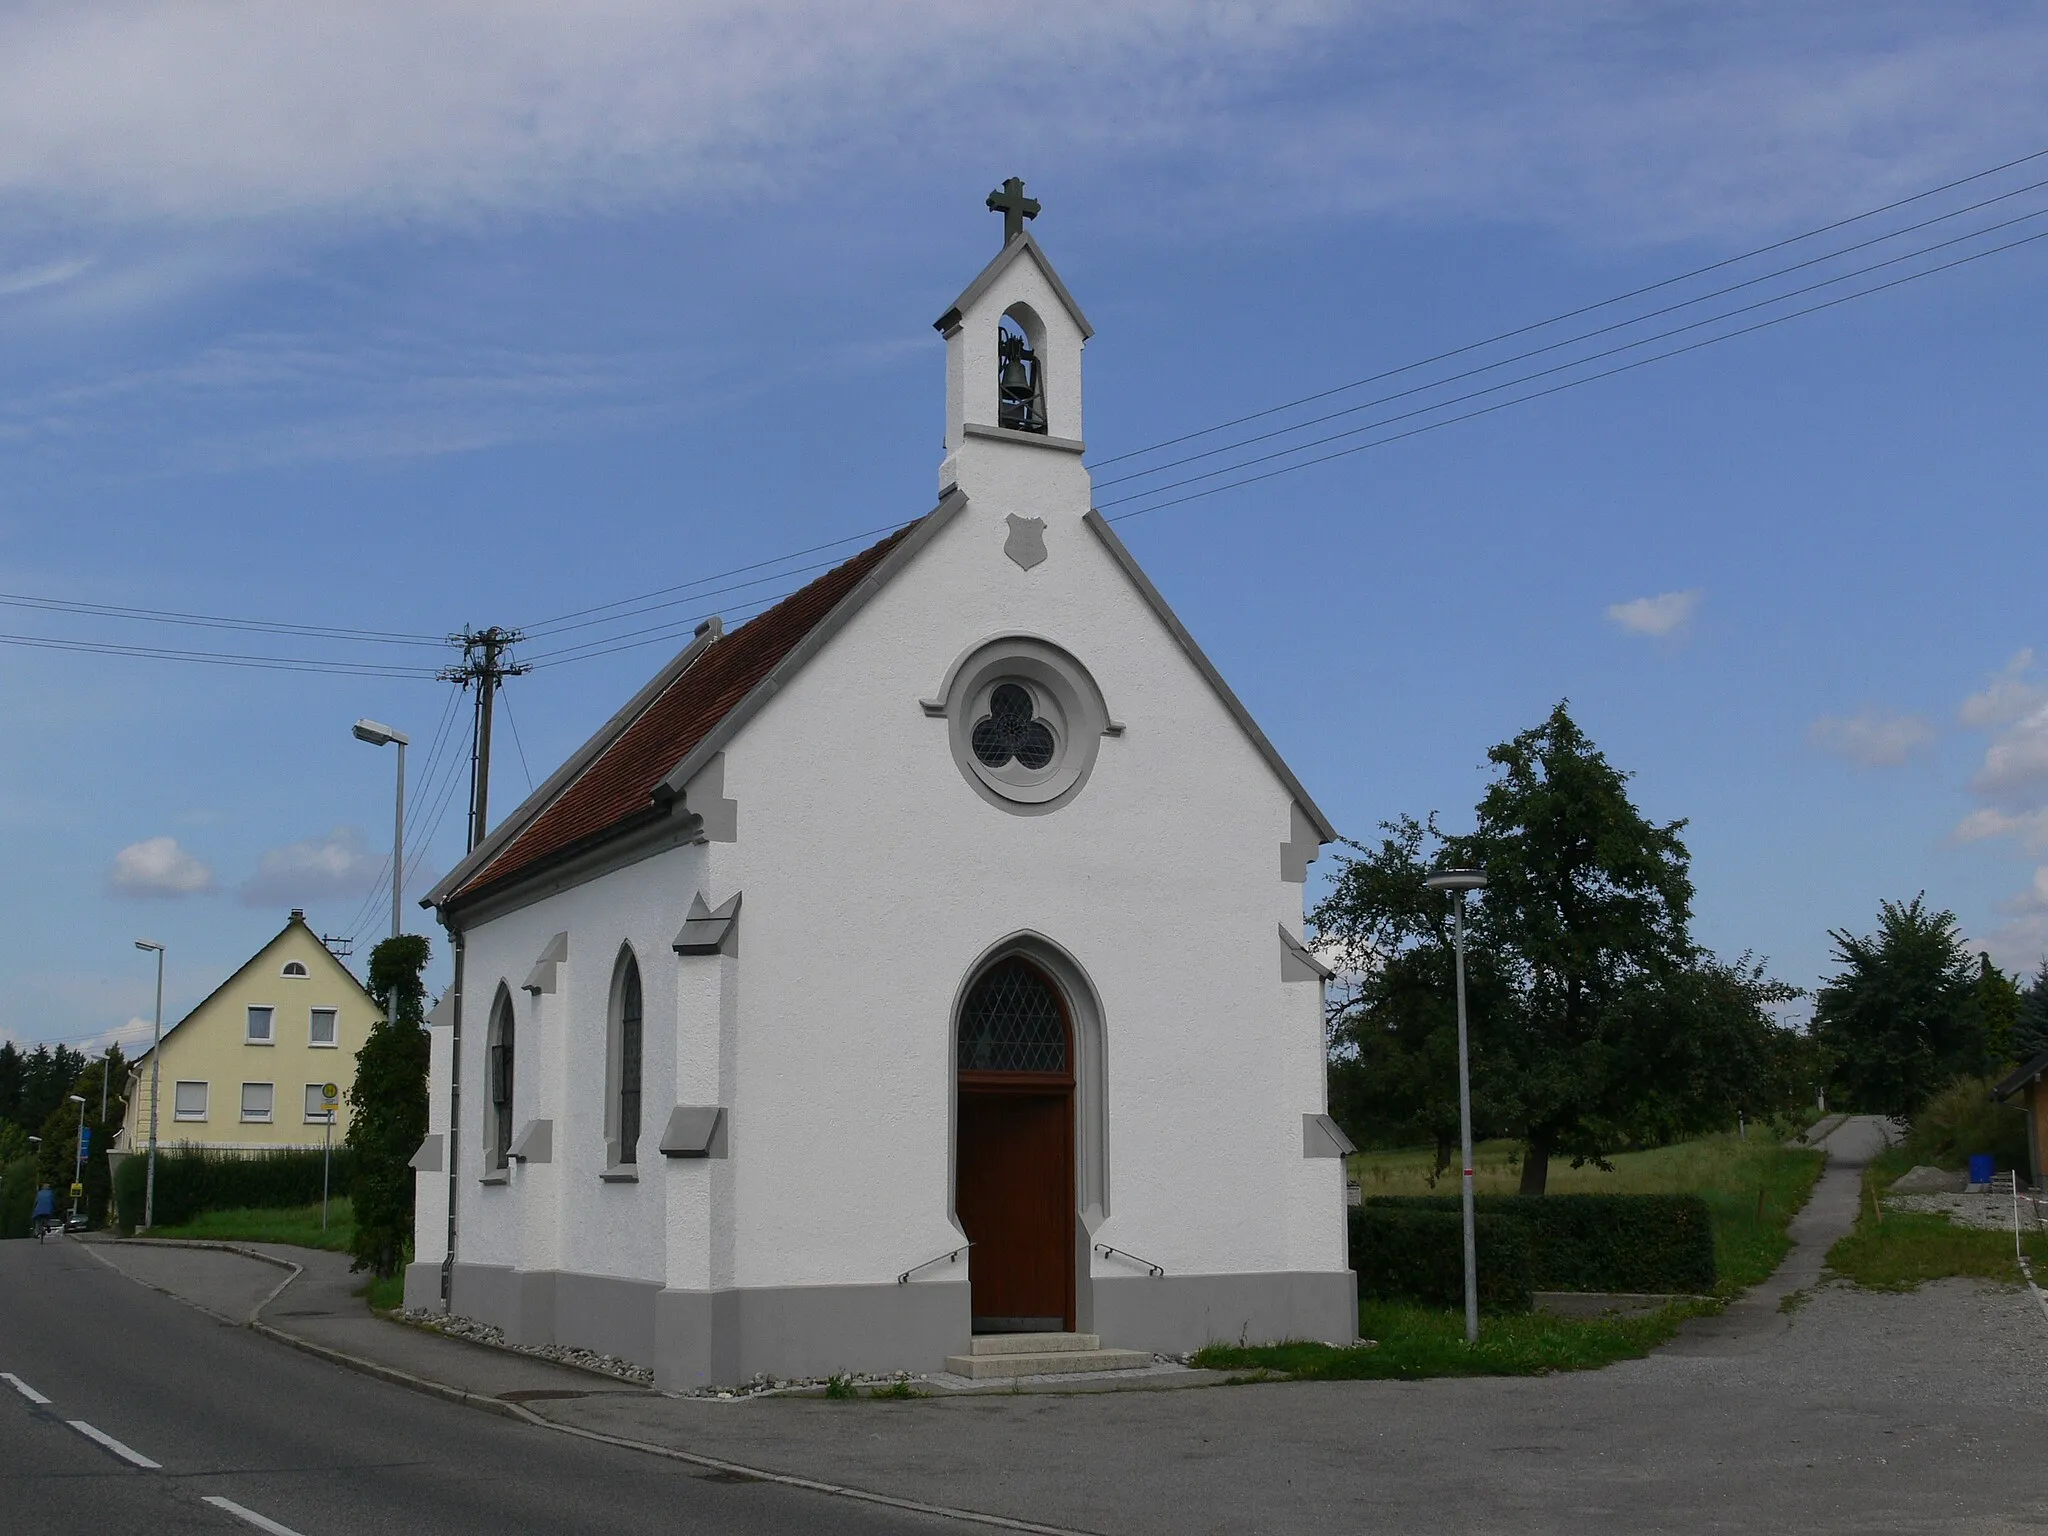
(993, 1356)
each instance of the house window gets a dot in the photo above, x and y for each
(627, 1034)
(261, 1018)
(295, 969)
(321, 1031)
(256, 1101)
(190, 1102)
(316, 1105)
(500, 1075)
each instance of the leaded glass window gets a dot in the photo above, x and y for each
(501, 1083)
(1011, 730)
(1012, 1022)
(629, 1062)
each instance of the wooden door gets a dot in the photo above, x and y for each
(1014, 1195)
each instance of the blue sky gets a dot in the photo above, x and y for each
(404, 317)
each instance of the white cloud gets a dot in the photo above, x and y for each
(2008, 696)
(2030, 828)
(2015, 770)
(298, 874)
(1667, 613)
(158, 867)
(186, 111)
(1870, 738)
(2021, 942)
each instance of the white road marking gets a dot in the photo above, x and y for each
(114, 1445)
(22, 1387)
(261, 1522)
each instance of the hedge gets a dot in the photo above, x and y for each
(18, 1184)
(1418, 1256)
(192, 1180)
(1645, 1243)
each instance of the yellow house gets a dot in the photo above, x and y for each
(244, 1070)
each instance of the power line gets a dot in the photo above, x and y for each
(220, 658)
(518, 743)
(1553, 389)
(1618, 325)
(1591, 357)
(560, 623)
(1584, 309)
(213, 621)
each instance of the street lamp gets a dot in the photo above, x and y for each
(156, 1063)
(377, 736)
(78, 1160)
(1458, 882)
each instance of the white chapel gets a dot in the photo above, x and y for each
(911, 974)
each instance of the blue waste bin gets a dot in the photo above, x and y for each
(1980, 1167)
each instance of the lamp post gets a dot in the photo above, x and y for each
(78, 1158)
(377, 736)
(1458, 882)
(156, 1063)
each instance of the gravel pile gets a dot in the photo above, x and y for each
(565, 1354)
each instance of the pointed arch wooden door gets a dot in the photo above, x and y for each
(1014, 1164)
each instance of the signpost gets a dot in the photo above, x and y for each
(330, 1097)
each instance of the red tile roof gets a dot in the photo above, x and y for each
(620, 782)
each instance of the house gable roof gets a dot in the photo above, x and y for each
(648, 752)
(2020, 1077)
(298, 921)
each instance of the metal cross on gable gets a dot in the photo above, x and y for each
(1009, 200)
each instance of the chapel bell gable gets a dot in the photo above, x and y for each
(1013, 348)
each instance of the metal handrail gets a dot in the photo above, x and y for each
(944, 1258)
(1154, 1270)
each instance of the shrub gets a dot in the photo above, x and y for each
(1962, 1119)
(192, 1180)
(1653, 1243)
(1418, 1255)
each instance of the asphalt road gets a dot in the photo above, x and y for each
(309, 1447)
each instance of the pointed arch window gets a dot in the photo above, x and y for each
(628, 1034)
(1013, 1021)
(500, 1080)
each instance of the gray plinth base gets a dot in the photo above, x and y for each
(1183, 1312)
(423, 1286)
(718, 1338)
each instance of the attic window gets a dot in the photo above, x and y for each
(295, 968)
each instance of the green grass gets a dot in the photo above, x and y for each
(1906, 1249)
(299, 1225)
(1412, 1343)
(385, 1295)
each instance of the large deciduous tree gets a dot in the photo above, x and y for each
(1596, 1022)
(1902, 1017)
(388, 1106)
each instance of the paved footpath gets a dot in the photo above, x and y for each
(1856, 1412)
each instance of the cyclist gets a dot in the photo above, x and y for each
(46, 1210)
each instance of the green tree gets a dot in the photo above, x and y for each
(1596, 1022)
(1994, 1010)
(388, 1105)
(1900, 1019)
(1393, 1018)
(2030, 1024)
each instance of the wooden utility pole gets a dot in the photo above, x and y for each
(484, 667)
